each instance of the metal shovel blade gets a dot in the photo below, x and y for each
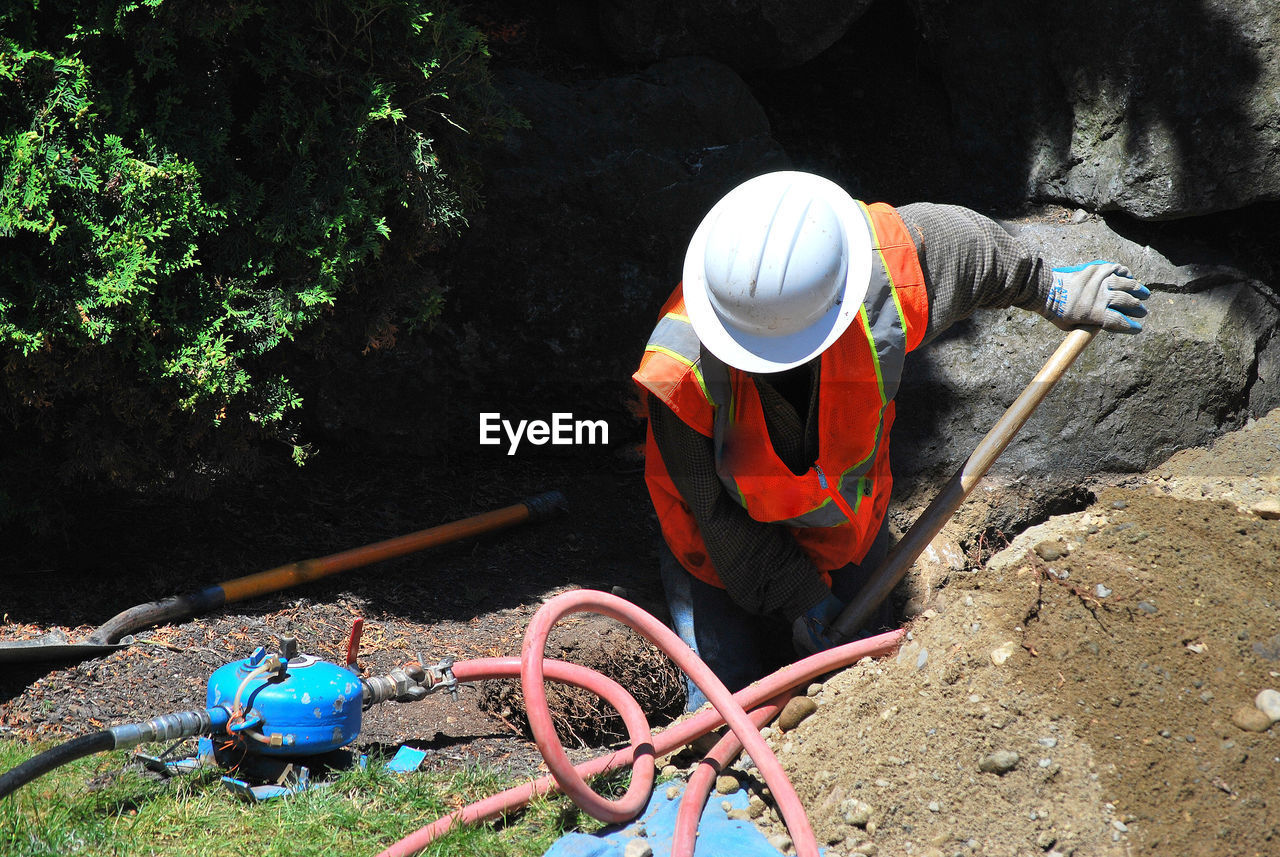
(54, 646)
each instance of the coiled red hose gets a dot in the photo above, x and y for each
(643, 747)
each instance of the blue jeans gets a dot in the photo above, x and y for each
(741, 647)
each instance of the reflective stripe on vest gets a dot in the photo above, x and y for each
(833, 516)
(886, 338)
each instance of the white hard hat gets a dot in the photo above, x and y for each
(777, 270)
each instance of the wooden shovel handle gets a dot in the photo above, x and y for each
(307, 570)
(931, 520)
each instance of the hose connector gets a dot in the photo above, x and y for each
(169, 727)
(410, 683)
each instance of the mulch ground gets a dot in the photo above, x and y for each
(473, 598)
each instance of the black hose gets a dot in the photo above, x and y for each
(37, 766)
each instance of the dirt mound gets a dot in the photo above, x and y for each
(1109, 659)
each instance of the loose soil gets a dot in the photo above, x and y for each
(1132, 634)
(1135, 631)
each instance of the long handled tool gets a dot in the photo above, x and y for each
(114, 634)
(931, 520)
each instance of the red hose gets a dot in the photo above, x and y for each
(703, 779)
(531, 683)
(532, 669)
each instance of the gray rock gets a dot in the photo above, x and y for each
(1269, 649)
(746, 34)
(1197, 132)
(1171, 385)
(1050, 551)
(638, 848)
(855, 812)
(627, 166)
(1000, 762)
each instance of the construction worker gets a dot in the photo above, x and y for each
(771, 376)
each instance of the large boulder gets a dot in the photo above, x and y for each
(1160, 110)
(1126, 405)
(556, 286)
(745, 34)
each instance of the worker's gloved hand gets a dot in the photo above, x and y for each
(811, 632)
(1096, 293)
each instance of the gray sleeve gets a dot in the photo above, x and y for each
(970, 261)
(761, 566)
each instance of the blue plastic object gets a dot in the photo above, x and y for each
(717, 833)
(406, 760)
(313, 707)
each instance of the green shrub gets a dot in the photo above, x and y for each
(185, 186)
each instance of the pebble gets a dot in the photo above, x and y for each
(1050, 551)
(673, 792)
(863, 849)
(1268, 702)
(922, 659)
(855, 812)
(1250, 719)
(1146, 607)
(1049, 742)
(1003, 652)
(638, 848)
(1000, 762)
(934, 806)
(1268, 509)
(726, 784)
(1268, 650)
(1101, 590)
(781, 841)
(795, 711)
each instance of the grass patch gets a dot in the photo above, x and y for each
(105, 805)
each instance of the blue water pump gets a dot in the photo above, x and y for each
(270, 716)
(288, 704)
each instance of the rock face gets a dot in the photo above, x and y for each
(1127, 404)
(745, 34)
(590, 207)
(1171, 113)
(587, 215)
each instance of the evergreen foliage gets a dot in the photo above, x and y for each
(186, 185)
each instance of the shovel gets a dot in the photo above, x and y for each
(937, 513)
(115, 634)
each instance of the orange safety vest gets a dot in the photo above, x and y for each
(836, 508)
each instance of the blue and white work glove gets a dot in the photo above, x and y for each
(1097, 293)
(811, 632)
